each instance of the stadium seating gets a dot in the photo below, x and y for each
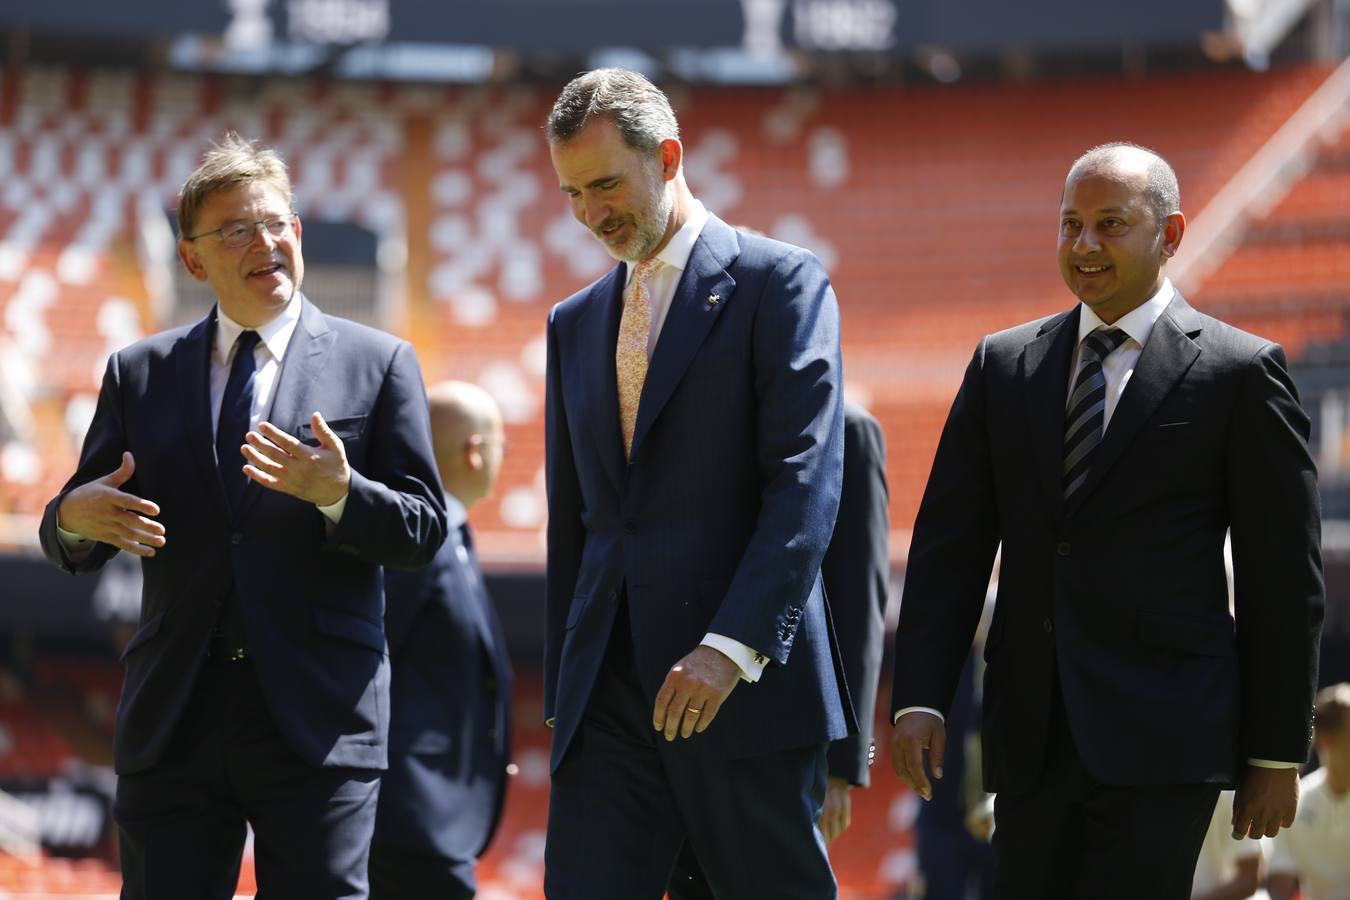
(932, 207)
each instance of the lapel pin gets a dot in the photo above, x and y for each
(713, 299)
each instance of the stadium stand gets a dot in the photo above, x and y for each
(929, 206)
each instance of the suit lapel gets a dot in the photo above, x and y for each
(306, 355)
(692, 313)
(1167, 357)
(193, 357)
(598, 334)
(1045, 365)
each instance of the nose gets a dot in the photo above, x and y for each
(595, 211)
(1086, 242)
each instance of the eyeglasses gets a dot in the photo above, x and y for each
(240, 234)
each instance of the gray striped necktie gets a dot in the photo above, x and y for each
(1087, 408)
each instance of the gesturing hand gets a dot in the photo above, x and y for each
(281, 462)
(101, 511)
(693, 692)
(914, 733)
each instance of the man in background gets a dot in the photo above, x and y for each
(450, 715)
(265, 464)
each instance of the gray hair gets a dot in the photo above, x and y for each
(636, 106)
(229, 164)
(1161, 192)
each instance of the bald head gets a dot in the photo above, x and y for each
(1131, 161)
(466, 429)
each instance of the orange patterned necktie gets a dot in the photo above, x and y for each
(630, 355)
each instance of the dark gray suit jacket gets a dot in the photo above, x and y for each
(1122, 598)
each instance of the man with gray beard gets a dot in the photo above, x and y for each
(695, 449)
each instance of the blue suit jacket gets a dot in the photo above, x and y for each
(720, 517)
(312, 602)
(450, 737)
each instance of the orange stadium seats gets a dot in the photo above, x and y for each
(933, 208)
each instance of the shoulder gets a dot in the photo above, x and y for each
(573, 306)
(354, 335)
(1013, 340)
(858, 422)
(759, 252)
(1218, 338)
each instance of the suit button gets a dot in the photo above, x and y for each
(613, 596)
(1064, 548)
(1047, 626)
(629, 527)
(236, 539)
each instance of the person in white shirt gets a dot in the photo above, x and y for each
(1314, 855)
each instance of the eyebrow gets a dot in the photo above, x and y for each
(1117, 210)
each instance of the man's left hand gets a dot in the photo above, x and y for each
(281, 462)
(1266, 800)
(838, 809)
(693, 692)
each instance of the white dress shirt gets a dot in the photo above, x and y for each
(661, 293)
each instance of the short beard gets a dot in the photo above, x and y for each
(649, 232)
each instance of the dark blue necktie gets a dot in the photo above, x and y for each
(1087, 408)
(232, 425)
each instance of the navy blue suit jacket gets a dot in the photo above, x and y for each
(1120, 598)
(450, 738)
(719, 519)
(312, 602)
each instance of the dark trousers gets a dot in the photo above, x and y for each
(624, 801)
(399, 874)
(181, 823)
(1071, 837)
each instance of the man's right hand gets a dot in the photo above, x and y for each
(914, 733)
(100, 511)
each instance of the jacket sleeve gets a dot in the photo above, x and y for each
(1279, 596)
(395, 515)
(799, 430)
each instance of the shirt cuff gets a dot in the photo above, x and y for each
(909, 709)
(1273, 764)
(72, 541)
(333, 512)
(750, 661)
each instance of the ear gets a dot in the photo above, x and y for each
(672, 154)
(1173, 229)
(473, 453)
(187, 252)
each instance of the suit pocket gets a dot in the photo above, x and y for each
(1185, 635)
(347, 429)
(349, 627)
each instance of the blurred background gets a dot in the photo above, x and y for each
(918, 147)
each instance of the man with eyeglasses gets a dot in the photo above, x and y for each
(450, 726)
(264, 463)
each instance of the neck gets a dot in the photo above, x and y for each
(681, 205)
(1338, 782)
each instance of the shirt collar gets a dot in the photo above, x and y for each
(1137, 323)
(275, 335)
(456, 514)
(681, 244)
